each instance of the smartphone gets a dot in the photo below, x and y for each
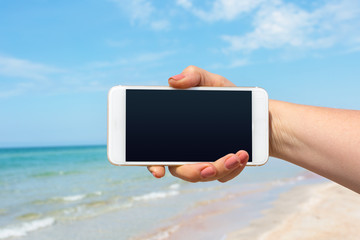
(160, 125)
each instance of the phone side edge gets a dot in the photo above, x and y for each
(260, 127)
(116, 125)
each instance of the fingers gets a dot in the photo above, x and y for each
(193, 76)
(157, 171)
(224, 169)
(231, 166)
(193, 172)
(237, 170)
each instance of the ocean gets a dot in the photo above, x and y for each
(75, 193)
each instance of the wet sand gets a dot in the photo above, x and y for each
(227, 211)
(321, 211)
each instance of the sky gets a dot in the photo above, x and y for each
(58, 59)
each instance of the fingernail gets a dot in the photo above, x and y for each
(178, 77)
(232, 162)
(243, 157)
(207, 172)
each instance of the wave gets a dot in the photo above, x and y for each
(73, 198)
(174, 186)
(22, 229)
(78, 197)
(164, 234)
(70, 198)
(88, 210)
(155, 195)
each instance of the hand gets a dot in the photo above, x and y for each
(225, 168)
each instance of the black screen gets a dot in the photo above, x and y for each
(187, 125)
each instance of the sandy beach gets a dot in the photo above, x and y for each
(55, 201)
(322, 211)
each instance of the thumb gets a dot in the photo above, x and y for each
(193, 76)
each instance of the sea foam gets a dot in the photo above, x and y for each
(174, 186)
(73, 198)
(155, 195)
(164, 234)
(22, 229)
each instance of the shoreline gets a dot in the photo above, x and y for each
(201, 221)
(319, 211)
(57, 202)
(217, 217)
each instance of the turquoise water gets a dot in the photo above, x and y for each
(46, 188)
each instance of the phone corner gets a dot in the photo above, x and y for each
(263, 162)
(109, 158)
(113, 162)
(113, 89)
(263, 91)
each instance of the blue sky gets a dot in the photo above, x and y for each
(58, 59)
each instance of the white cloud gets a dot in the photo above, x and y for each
(142, 12)
(279, 24)
(137, 10)
(15, 91)
(149, 57)
(235, 63)
(184, 3)
(238, 63)
(221, 9)
(160, 25)
(287, 25)
(274, 27)
(20, 68)
(24, 76)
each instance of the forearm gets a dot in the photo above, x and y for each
(323, 140)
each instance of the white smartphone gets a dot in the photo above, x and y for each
(160, 125)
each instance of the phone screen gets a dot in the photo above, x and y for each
(187, 125)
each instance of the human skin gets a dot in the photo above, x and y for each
(323, 140)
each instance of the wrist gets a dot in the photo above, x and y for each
(285, 119)
(272, 131)
(279, 133)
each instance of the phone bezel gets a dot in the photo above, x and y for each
(116, 124)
